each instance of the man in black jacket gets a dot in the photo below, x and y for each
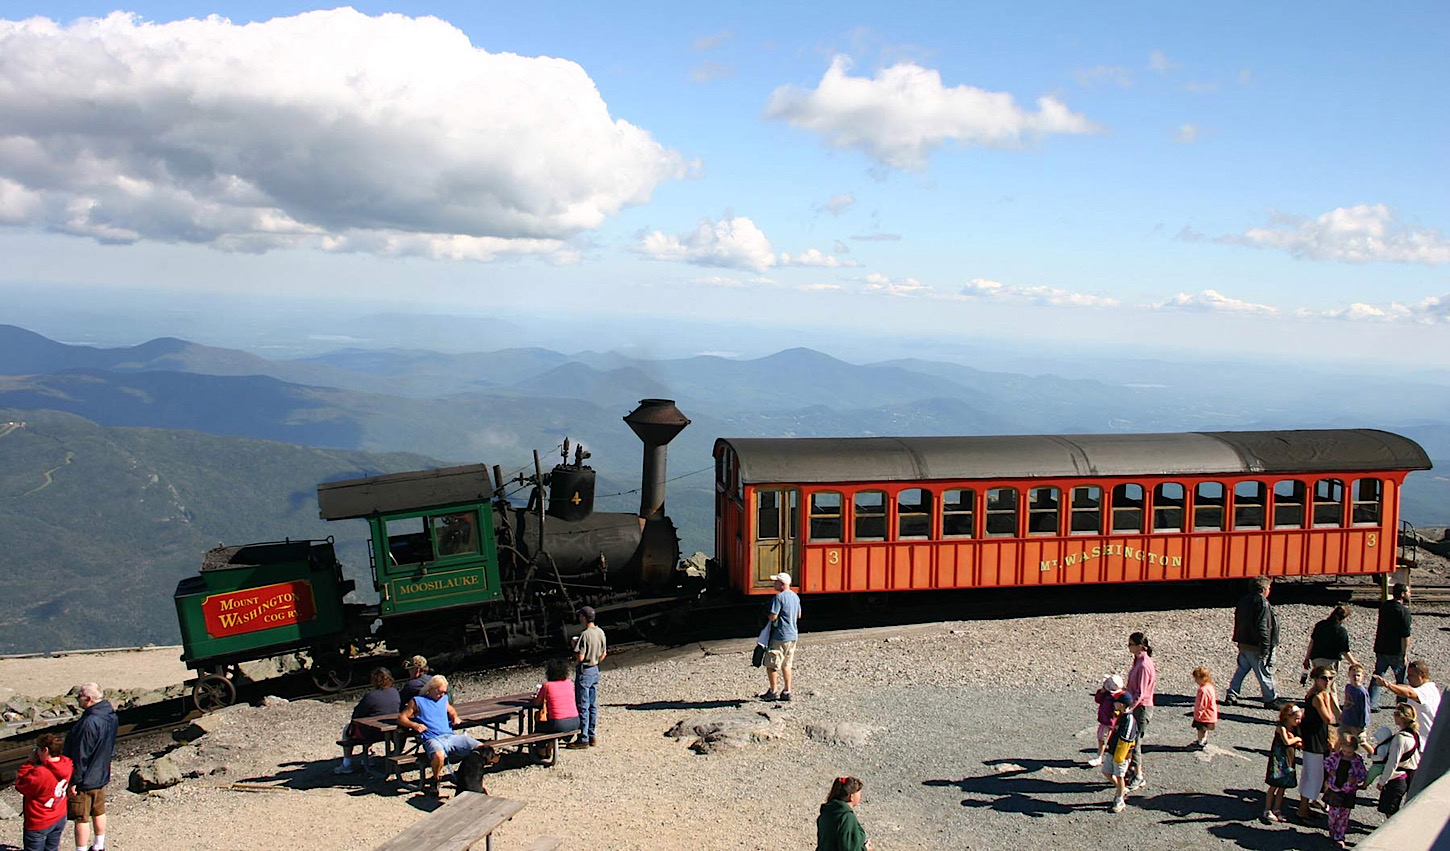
(90, 745)
(1391, 640)
(1256, 632)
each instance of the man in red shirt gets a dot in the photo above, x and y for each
(43, 783)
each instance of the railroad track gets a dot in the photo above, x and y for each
(1371, 593)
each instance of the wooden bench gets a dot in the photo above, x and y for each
(457, 825)
(520, 742)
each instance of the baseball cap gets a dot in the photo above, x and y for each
(416, 662)
(1113, 684)
(781, 577)
(586, 612)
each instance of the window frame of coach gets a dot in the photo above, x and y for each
(868, 535)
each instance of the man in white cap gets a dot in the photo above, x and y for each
(785, 612)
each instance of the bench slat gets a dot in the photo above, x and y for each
(457, 825)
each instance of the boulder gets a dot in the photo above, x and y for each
(845, 733)
(159, 773)
(715, 732)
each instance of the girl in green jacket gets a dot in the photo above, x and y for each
(836, 827)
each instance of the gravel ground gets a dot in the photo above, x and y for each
(977, 736)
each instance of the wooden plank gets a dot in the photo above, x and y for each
(457, 825)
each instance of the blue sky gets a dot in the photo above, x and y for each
(1267, 178)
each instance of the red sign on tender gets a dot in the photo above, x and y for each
(267, 607)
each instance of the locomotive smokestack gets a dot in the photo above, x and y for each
(656, 421)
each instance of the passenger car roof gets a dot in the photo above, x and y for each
(851, 459)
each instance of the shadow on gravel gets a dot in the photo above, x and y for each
(1011, 790)
(1247, 719)
(1161, 699)
(1273, 838)
(682, 704)
(1191, 807)
(318, 775)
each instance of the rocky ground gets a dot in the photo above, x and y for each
(967, 734)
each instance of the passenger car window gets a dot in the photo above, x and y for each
(767, 526)
(913, 514)
(1329, 502)
(1249, 502)
(1368, 495)
(1168, 501)
(959, 513)
(1288, 504)
(1001, 512)
(1208, 507)
(826, 516)
(870, 509)
(1087, 510)
(1127, 508)
(1043, 506)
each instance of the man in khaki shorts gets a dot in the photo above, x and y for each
(785, 611)
(90, 745)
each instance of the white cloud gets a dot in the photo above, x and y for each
(837, 204)
(1187, 134)
(706, 43)
(986, 288)
(330, 129)
(1365, 233)
(877, 236)
(719, 281)
(816, 257)
(904, 113)
(1114, 74)
(729, 243)
(709, 71)
(816, 288)
(1213, 301)
(1429, 311)
(1158, 61)
(841, 248)
(900, 287)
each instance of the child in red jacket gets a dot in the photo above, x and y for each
(43, 783)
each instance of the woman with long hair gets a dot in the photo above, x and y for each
(836, 827)
(1321, 715)
(1142, 684)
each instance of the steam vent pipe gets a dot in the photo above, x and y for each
(656, 421)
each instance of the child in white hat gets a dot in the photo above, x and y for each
(1112, 687)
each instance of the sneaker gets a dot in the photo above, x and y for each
(577, 744)
(1137, 784)
(1230, 699)
(768, 695)
(1119, 805)
(344, 769)
(1266, 817)
(1095, 761)
(785, 696)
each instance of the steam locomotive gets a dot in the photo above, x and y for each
(457, 568)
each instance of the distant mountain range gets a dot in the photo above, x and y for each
(167, 427)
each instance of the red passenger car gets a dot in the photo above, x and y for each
(918, 513)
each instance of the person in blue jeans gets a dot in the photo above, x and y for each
(1391, 641)
(589, 650)
(1256, 632)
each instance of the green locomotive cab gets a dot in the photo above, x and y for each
(432, 544)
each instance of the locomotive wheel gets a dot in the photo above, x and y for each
(213, 692)
(331, 672)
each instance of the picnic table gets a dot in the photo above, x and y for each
(497, 714)
(457, 825)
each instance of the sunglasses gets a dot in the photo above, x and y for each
(1326, 679)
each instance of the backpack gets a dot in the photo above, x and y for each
(470, 772)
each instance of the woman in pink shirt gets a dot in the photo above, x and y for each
(1142, 683)
(558, 711)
